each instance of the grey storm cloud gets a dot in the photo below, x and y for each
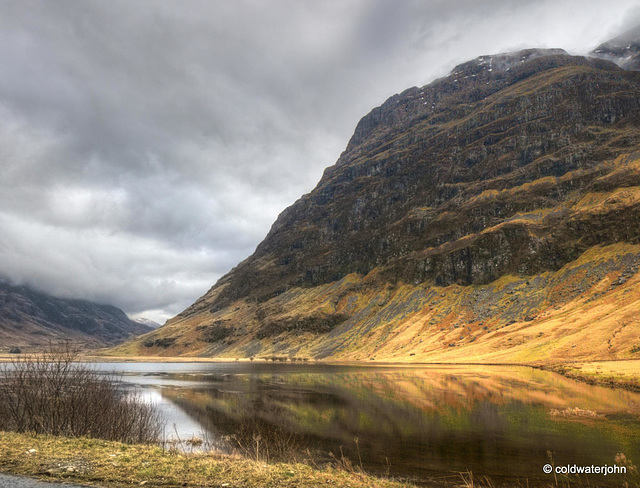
(147, 146)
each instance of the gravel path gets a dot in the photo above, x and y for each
(9, 481)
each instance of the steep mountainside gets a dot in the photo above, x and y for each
(30, 319)
(490, 215)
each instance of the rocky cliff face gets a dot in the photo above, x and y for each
(30, 319)
(460, 213)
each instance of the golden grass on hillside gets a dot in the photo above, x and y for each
(587, 310)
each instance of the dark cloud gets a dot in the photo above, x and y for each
(147, 146)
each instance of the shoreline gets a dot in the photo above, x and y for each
(594, 373)
(609, 373)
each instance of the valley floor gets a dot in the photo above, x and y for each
(612, 373)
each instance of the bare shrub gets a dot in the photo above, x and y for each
(343, 463)
(266, 442)
(53, 394)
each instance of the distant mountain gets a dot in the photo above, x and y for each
(31, 319)
(148, 322)
(492, 215)
(624, 50)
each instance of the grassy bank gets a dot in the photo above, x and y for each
(113, 464)
(613, 374)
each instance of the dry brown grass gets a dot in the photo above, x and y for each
(112, 464)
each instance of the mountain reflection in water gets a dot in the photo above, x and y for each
(410, 421)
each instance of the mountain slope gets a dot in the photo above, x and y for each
(31, 319)
(464, 220)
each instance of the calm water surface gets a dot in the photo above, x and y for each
(409, 421)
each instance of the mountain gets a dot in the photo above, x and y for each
(148, 322)
(624, 50)
(30, 319)
(492, 215)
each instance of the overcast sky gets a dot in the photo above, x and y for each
(147, 146)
